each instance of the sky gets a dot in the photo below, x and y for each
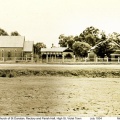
(44, 20)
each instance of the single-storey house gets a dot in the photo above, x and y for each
(13, 48)
(114, 56)
(57, 54)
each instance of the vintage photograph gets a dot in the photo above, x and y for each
(60, 58)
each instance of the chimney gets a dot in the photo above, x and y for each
(58, 45)
(52, 45)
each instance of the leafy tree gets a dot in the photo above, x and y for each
(77, 38)
(103, 36)
(3, 32)
(65, 41)
(105, 48)
(90, 35)
(38, 46)
(15, 33)
(115, 37)
(81, 49)
(70, 41)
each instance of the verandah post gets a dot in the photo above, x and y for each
(62, 58)
(46, 57)
(31, 57)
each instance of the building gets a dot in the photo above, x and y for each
(57, 54)
(113, 57)
(15, 48)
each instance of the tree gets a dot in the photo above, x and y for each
(90, 35)
(115, 37)
(70, 41)
(77, 38)
(103, 36)
(15, 33)
(3, 32)
(65, 41)
(105, 48)
(81, 49)
(38, 46)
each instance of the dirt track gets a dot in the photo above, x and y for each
(57, 66)
(59, 96)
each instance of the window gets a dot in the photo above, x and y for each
(9, 54)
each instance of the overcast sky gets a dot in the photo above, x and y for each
(45, 20)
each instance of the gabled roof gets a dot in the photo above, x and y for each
(59, 49)
(11, 41)
(112, 42)
(28, 46)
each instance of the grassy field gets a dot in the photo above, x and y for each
(59, 96)
(59, 90)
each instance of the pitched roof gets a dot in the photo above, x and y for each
(11, 41)
(59, 49)
(112, 42)
(28, 46)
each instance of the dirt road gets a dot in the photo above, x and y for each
(59, 96)
(57, 66)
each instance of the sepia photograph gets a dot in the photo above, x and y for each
(60, 58)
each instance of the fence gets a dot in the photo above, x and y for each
(16, 59)
(85, 60)
(98, 60)
(59, 60)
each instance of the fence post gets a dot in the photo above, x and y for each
(3, 59)
(107, 59)
(15, 59)
(26, 58)
(96, 59)
(74, 59)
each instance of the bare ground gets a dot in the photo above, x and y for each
(59, 96)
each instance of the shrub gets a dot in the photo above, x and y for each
(11, 74)
(3, 75)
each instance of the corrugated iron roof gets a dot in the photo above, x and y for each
(28, 46)
(12, 41)
(59, 49)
